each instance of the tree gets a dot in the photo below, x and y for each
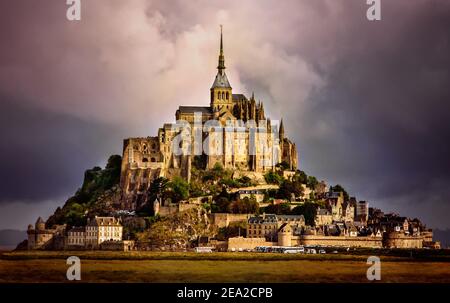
(283, 165)
(223, 205)
(278, 209)
(312, 182)
(301, 177)
(273, 178)
(287, 188)
(339, 188)
(159, 185)
(308, 210)
(244, 206)
(179, 189)
(233, 230)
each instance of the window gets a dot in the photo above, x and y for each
(218, 95)
(223, 95)
(228, 96)
(144, 160)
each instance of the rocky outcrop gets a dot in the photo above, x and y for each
(178, 231)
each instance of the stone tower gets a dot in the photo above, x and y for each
(221, 92)
(40, 224)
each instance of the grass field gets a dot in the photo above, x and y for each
(217, 267)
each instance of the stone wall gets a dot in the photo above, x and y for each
(237, 243)
(400, 240)
(224, 219)
(343, 241)
(175, 208)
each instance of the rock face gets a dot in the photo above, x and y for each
(178, 231)
(98, 195)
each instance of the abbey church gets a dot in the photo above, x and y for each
(232, 131)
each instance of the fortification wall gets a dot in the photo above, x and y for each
(175, 208)
(399, 240)
(247, 243)
(224, 219)
(337, 241)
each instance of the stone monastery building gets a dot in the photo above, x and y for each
(232, 131)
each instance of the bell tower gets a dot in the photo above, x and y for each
(221, 92)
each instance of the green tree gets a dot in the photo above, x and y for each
(289, 188)
(179, 189)
(244, 206)
(312, 182)
(283, 165)
(339, 188)
(278, 209)
(273, 178)
(301, 177)
(308, 210)
(223, 205)
(233, 230)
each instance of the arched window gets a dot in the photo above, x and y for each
(144, 160)
(153, 160)
(228, 96)
(218, 95)
(223, 95)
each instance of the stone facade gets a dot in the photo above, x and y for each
(40, 237)
(238, 243)
(401, 240)
(252, 145)
(338, 241)
(224, 219)
(168, 208)
(76, 238)
(268, 225)
(100, 229)
(120, 245)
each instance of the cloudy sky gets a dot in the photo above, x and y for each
(368, 103)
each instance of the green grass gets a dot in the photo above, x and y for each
(101, 266)
(54, 270)
(386, 255)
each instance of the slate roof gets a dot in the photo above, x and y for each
(239, 97)
(221, 81)
(102, 221)
(195, 109)
(77, 229)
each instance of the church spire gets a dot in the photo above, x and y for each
(221, 66)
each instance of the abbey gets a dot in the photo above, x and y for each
(254, 144)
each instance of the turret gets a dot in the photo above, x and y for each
(281, 132)
(40, 224)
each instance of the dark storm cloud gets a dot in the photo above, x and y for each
(387, 99)
(366, 102)
(44, 154)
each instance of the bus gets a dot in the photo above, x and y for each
(293, 250)
(203, 249)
